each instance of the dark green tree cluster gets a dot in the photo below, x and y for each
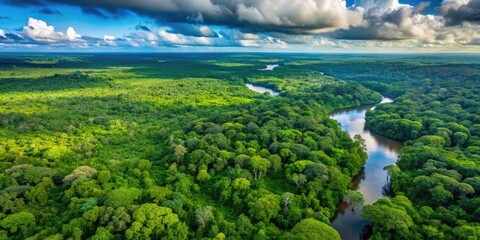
(273, 164)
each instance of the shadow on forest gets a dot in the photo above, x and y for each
(179, 69)
(88, 111)
(56, 82)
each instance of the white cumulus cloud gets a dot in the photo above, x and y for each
(172, 38)
(40, 31)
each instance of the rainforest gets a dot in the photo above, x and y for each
(179, 146)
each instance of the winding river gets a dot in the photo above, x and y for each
(371, 181)
(261, 90)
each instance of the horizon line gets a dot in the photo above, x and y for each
(239, 52)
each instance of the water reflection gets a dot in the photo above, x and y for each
(370, 182)
(261, 90)
(269, 67)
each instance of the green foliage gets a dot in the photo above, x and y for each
(439, 165)
(119, 146)
(104, 176)
(122, 197)
(390, 220)
(260, 165)
(152, 221)
(21, 223)
(264, 207)
(310, 228)
(354, 198)
(203, 216)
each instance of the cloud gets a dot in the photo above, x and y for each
(39, 31)
(94, 11)
(176, 39)
(72, 35)
(23, 3)
(292, 16)
(459, 11)
(323, 42)
(105, 13)
(292, 21)
(4, 17)
(2, 34)
(390, 20)
(194, 30)
(50, 11)
(14, 37)
(406, 24)
(142, 38)
(110, 40)
(172, 38)
(267, 42)
(266, 24)
(143, 28)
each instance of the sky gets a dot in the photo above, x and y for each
(330, 26)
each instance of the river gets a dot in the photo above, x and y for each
(370, 182)
(261, 90)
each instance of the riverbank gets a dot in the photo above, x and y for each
(382, 151)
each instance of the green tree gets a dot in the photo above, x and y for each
(154, 222)
(203, 175)
(104, 176)
(23, 221)
(40, 193)
(388, 220)
(460, 138)
(354, 198)
(260, 165)
(122, 197)
(265, 207)
(310, 228)
(203, 215)
(241, 184)
(120, 220)
(180, 152)
(299, 179)
(102, 234)
(440, 196)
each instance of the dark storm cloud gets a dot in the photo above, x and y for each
(94, 11)
(457, 12)
(392, 21)
(295, 16)
(14, 37)
(280, 22)
(50, 11)
(105, 13)
(24, 2)
(143, 28)
(382, 25)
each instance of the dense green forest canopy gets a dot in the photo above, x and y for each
(438, 173)
(174, 146)
(170, 146)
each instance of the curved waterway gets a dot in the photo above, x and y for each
(261, 90)
(372, 180)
